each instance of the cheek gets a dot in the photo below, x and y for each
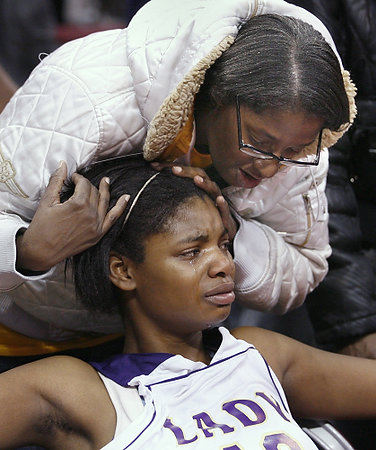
(173, 279)
(185, 280)
(225, 154)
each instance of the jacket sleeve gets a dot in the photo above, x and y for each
(9, 276)
(72, 108)
(31, 125)
(277, 269)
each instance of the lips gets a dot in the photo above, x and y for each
(248, 180)
(222, 294)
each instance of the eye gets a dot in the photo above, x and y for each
(256, 143)
(190, 253)
(225, 245)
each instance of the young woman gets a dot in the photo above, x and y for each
(166, 265)
(283, 103)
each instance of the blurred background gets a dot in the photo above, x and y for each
(29, 28)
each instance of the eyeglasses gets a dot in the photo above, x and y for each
(261, 154)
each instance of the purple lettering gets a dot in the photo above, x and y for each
(274, 403)
(178, 432)
(205, 423)
(231, 408)
(272, 441)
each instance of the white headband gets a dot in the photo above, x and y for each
(137, 197)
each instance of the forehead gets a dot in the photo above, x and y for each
(196, 213)
(281, 124)
(194, 218)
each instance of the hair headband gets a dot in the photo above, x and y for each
(137, 197)
(129, 155)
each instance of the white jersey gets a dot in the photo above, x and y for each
(236, 402)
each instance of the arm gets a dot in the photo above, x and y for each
(58, 231)
(317, 384)
(25, 133)
(51, 402)
(61, 113)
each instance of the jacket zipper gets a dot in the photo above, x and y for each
(308, 208)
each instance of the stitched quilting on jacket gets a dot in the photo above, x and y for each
(115, 91)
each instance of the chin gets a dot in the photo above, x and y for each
(217, 321)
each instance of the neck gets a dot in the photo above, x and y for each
(142, 335)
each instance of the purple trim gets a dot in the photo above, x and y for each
(271, 377)
(139, 434)
(123, 368)
(200, 370)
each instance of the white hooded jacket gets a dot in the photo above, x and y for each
(106, 94)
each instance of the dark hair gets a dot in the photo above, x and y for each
(152, 214)
(278, 62)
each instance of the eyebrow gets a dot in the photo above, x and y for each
(194, 238)
(265, 134)
(199, 237)
(273, 138)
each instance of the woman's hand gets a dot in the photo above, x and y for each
(202, 180)
(60, 230)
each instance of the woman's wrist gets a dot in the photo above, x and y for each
(27, 261)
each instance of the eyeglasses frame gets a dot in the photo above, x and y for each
(271, 155)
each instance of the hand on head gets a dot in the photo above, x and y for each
(60, 230)
(203, 181)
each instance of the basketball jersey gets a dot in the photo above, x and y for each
(236, 402)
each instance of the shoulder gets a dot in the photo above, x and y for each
(61, 381)
(274, 347)
(63, 403)
(69, 382)
(96, 45)
(262, 339)
(57, 367)
(72, 392)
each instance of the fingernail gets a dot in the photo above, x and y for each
(60, 164)
(199, 179)
(126, 197)
(107, 180)
(177, 169)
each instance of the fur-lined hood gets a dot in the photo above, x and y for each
(173, 44)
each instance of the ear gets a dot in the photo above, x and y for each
(121, 272)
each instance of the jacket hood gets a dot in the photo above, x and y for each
(172, 45)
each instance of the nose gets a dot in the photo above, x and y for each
(265, 168)
(221, 264)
